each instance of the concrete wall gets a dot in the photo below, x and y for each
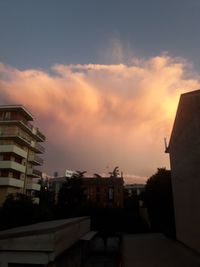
(184, 152)
(41, 243)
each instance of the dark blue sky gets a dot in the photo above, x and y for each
(38, 34)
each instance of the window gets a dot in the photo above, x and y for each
(7, 115)
(98, 198)
(4, 173)
(110, 193)
(6, 157)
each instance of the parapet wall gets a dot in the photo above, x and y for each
(41, 243)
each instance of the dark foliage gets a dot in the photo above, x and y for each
(112, 221)
(18, 210)
(114, 173)
(70, 197)
(46, 208)
(131, 203)
(159, 201)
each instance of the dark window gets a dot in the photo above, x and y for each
(6, 157)
(110, 193)
(4, 173)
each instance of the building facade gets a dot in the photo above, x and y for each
(134, 189)
(184, 152)
(19, 149)
(103, 192)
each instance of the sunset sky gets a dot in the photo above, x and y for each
(102, 77)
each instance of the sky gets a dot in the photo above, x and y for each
(102, 78)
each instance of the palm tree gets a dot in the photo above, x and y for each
(114, 173)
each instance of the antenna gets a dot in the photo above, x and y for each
(165, 141)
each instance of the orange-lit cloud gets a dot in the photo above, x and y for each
(96, 116)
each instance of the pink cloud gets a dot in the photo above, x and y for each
(98, 115)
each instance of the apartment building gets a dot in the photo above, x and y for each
(19, 149)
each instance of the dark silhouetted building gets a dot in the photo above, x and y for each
(184, 152)
(105, 192)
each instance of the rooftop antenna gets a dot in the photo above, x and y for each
(165, 141)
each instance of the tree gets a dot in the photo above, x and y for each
(18, 209)
(96, 175)
(70, 196)
(159, 201)
(114, 173)
(47, 201)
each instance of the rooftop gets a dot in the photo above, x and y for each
(20, 108)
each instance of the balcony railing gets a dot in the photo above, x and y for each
(40, 134)
(34, 130)
(30, 126)
(39, 147)
(35, 158)
(33, 186)
(37, 173)
(13, 149)
(39, 160)
(34, 173)
(7, 181)
(8, 164)
(14, 133)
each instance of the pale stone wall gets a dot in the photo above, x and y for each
(184, 152)
(41, 243)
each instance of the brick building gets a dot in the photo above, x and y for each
(104, 192)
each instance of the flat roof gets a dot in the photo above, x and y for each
(20, 108)
(40, 228)
(195, 92)
(181, 112)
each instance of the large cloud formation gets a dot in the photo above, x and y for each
(96, 117)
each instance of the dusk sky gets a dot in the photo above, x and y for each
(101, 77)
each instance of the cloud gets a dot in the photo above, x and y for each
(102, 115)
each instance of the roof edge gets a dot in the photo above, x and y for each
(21, 107)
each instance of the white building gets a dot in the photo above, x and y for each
(19, 149)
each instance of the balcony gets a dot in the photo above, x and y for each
(34, 173)
(35, 160)
(5, 164)
(37, 147)
(5, 181)
(29, 128)
(35, 131)
(33, 186)
(15, 134)
(13, 149)
(41, 135)
(37, 173)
